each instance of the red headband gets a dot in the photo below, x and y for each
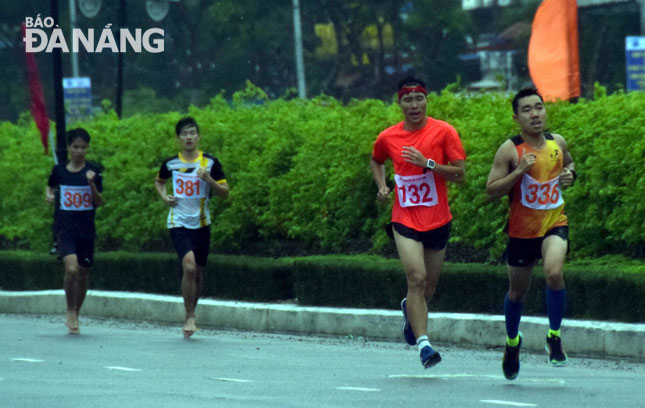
(408, 89)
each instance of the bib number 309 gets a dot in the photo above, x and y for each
(76, 198)
(417, 190)
(541, 195)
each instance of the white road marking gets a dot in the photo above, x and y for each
(509, 403)
(473, 376)
(445, 376)
(358, 389)
(27, 360)
(123, 368)
(237, 380)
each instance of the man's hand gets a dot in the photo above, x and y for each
(171, 201)
(203, 174)
(91, 175)
(566, 177)
(383, 193)
(49, 197)
(526, 161)
(412, 155)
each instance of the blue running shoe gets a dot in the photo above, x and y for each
(429, 357)
(408, 334)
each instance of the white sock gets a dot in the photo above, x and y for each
(423, 341)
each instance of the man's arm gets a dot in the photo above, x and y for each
(378, 173)
(160, 186)
(455, 172)
(569, 167)
(501, 179)
(221, 189)
(50, 194)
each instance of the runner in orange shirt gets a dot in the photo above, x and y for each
(531, 168)
(426, 153)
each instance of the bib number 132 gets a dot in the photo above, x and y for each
(417, 190)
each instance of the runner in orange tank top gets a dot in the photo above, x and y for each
(532, 168)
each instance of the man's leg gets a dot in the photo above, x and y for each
(519, 279)
(71, 286)
(190, 290)
(519, 282)
(554, 251)
(411, 253)
(83, 284)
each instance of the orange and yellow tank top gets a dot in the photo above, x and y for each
(536, 199)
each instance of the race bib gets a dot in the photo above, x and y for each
(76, 198)
(541, 196)
(416, 190)
(188, 185)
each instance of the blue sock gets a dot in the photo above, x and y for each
(555, 301)
(513, 314)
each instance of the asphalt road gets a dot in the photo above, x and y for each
(117, 363)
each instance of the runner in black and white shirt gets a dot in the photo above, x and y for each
(195, 176)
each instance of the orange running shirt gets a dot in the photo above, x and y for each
(536, 199)
(420, 198)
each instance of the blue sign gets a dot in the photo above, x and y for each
(635, 63)
(77, 92)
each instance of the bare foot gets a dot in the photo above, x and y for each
(72, 323)
(189, 327)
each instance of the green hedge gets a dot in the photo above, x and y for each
(300, 180)
(612, 291)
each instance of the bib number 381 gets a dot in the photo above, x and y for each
(541, 195)
(76, 198)
(417, 190)
(187, 185)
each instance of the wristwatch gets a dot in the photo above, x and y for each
(430, 164)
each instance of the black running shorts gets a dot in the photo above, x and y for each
(522, 252)
(196, 240)
(436, 239)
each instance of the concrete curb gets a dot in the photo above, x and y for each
(594, 338)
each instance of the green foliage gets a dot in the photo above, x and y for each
(300, 179)
(609, 288)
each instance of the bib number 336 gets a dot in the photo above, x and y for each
(417, 190)
(541, 195)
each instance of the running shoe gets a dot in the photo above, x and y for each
(557, 356)
(511, 361)
(408, 334)
(429, 357)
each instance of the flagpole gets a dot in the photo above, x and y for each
(61, 145)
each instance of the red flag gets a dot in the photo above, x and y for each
(553, 50)
(38, 107)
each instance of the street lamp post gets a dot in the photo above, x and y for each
(300, 65)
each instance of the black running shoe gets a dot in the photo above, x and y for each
(511, 361)
(557, 356)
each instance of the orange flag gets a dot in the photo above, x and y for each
(553, 50)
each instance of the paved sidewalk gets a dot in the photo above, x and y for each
(594, 338)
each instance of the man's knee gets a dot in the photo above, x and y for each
(554, 278)
(417, 281)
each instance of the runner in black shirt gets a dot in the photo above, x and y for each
(75, 188)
